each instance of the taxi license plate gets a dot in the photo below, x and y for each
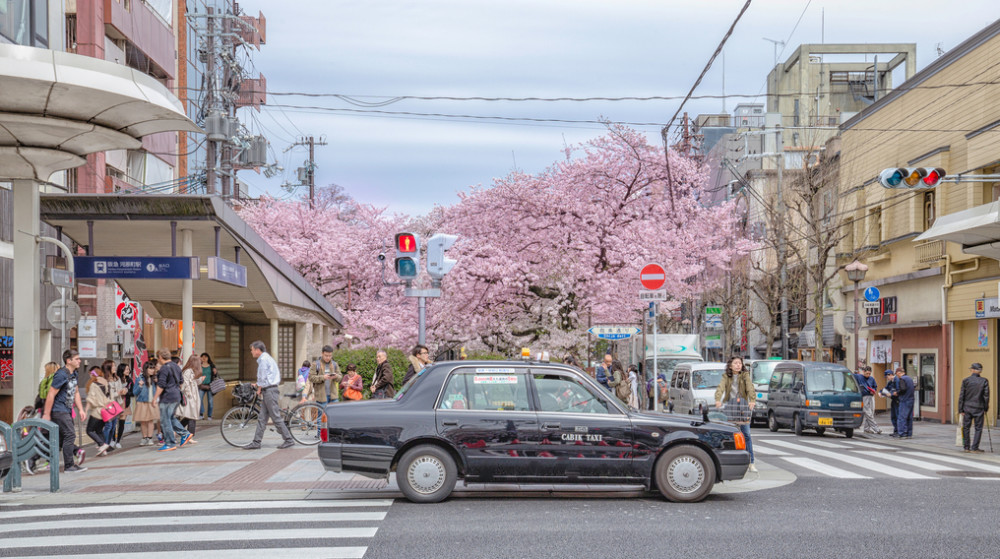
(825, 421)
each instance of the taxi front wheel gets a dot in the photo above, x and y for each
(426, 474)
(685, 474)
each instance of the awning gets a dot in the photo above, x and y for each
(976, 229)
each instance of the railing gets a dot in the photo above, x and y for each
(930, 252)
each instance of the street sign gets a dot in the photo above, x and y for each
(63, 313)
(713, 318)
(871, 304)
(658, 295)
(136, 267)
(59, 278)
(713, 341)
(652, 276)
(872, 294)
(225, 271)
(87, 328)
(613, 332)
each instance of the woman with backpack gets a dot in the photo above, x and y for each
(146, 413)
(619, 383)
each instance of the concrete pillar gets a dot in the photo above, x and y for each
(187, 301)
(272, 346)
(27, 292)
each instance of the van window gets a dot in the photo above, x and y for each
(762, 371)
(831, 380)
(707, 378)
(786, 379)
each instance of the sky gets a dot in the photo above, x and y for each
(371, 52)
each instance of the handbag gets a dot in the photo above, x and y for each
(352, 393)
(111, 411)
(218, 385)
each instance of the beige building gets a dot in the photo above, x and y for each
(930, 252)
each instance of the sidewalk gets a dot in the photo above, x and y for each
(932, 436)
(208, 470)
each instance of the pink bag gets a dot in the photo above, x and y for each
(111, 411)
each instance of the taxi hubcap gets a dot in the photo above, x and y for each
(426, 474)
(686, 474)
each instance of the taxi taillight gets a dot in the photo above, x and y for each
(741, 442)
(324, 433)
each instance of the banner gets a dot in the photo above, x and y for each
(126, 311)
(139, 357)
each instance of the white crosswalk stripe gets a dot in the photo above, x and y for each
(869, 445)
(852, 459)
(768, 451)
(331, 528)
(960, 461)
(924, 465)
(824, 469)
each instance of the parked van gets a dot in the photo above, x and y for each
(813, 395)
(692, 388)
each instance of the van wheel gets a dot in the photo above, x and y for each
(426, 474)
(685, 474)
(820, 431)
(797, 424)
(849, 433)
(772, 422)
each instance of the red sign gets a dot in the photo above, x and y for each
(652, 276)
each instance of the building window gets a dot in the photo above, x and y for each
(875, 226)
(285, 354)
(25, 22)
(929, 211)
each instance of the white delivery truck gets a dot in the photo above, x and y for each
(670, 350)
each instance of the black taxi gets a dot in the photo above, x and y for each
(525, 422)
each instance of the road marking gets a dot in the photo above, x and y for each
(854, 461)
(768, 451)
(908, 461)
(824, 469)
(154, 521)
(870, 445)
(192, 536)
(119, 510)
(959, 461)
(269, 552)
(826, 444)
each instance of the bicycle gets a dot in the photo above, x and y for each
(33, 465)
(305, 421)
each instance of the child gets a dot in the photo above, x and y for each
(304, 388)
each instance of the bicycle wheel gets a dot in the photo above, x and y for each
(305, 422)
(239, 425)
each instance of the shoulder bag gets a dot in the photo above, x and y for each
(218, 385)
(110, 411)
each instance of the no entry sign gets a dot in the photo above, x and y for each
(652, 276)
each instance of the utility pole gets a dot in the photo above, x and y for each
(780, 149)
(210, 148)
(307, 174)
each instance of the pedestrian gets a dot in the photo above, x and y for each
(906, 391)
(633, 381)
(661, 385)
(117, 391)
(59, 402)
(603, 373)
(738, 393)
(619, 381)
(167, 398)
(890, 392)
(383, 387)
(268, 378)
(326, 371)
(419, 358)
(973, 404)
(44, 385)
(98, 396)
(208, 374)
(304, 389)
(352, 384)
(124, 374)
(145, 412)
(189, 409)
(868, 388)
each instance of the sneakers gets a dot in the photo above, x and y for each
(252, 446)
(80, 455)
(167, 448)
(102, 450)
(753, 468)
(978, 450)
(75, 468)
(185, 439)
(287, 444)
(144, 442)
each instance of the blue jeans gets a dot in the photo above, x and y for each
(745, 429)
(206, 396)
(109, 429)
(171, 424)
(904, 421)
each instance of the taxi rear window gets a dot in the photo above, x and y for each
(478, 390)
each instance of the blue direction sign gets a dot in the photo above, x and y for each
(614, 332)
(136, 267)
(872, 294)
(226, 271)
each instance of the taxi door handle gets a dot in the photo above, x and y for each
(551, 425)
(449, 423)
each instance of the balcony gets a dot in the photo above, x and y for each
(928, 252)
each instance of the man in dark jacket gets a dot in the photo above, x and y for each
(906, 391)
(383, 387)
(603, 373)
(890, 390)
(973, 403)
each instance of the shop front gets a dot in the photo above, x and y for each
(976, 342)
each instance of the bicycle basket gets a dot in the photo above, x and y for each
(243, 393)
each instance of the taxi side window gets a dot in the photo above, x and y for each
(565, 394)
(494, 392)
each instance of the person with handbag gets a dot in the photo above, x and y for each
(146, 413)
(188, 410)
(740, 396)
(98, 396)
(208, 375)
(115, 390)
(352, 384)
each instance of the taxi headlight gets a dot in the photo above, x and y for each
(857, 404)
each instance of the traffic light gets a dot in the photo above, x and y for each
(911, 177)
(437, 264)
(407, 261)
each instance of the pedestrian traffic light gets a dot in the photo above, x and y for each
(911, 177)
(437, 264)
(407, 261)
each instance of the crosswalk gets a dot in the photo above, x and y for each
(337, 529)
(852, 459)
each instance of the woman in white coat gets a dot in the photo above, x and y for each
(189, 409)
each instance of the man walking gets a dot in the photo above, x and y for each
(268, 378)
(890, 393)
(59, 407)
(906, 391)
(973, 403)
(168, 397)
(868, 388)
(326, 372)
(603, 372)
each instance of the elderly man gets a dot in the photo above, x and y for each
(973, 403)
(268, 379)
(382, 386)
(603, 372)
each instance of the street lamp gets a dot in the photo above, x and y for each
(856, 273)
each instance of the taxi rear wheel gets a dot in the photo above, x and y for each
(685, 474)
(426, 474)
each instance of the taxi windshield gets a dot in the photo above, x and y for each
(830, 380)
(706, 378)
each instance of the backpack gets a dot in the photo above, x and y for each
(43, 387)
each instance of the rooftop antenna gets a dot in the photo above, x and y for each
(776, 43)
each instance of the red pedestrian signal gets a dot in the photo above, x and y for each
(407, 263)
(911, 177)
(406, 243)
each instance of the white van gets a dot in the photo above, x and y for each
(671, 350)
(692, 388)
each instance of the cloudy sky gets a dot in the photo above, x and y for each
(411, 154)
